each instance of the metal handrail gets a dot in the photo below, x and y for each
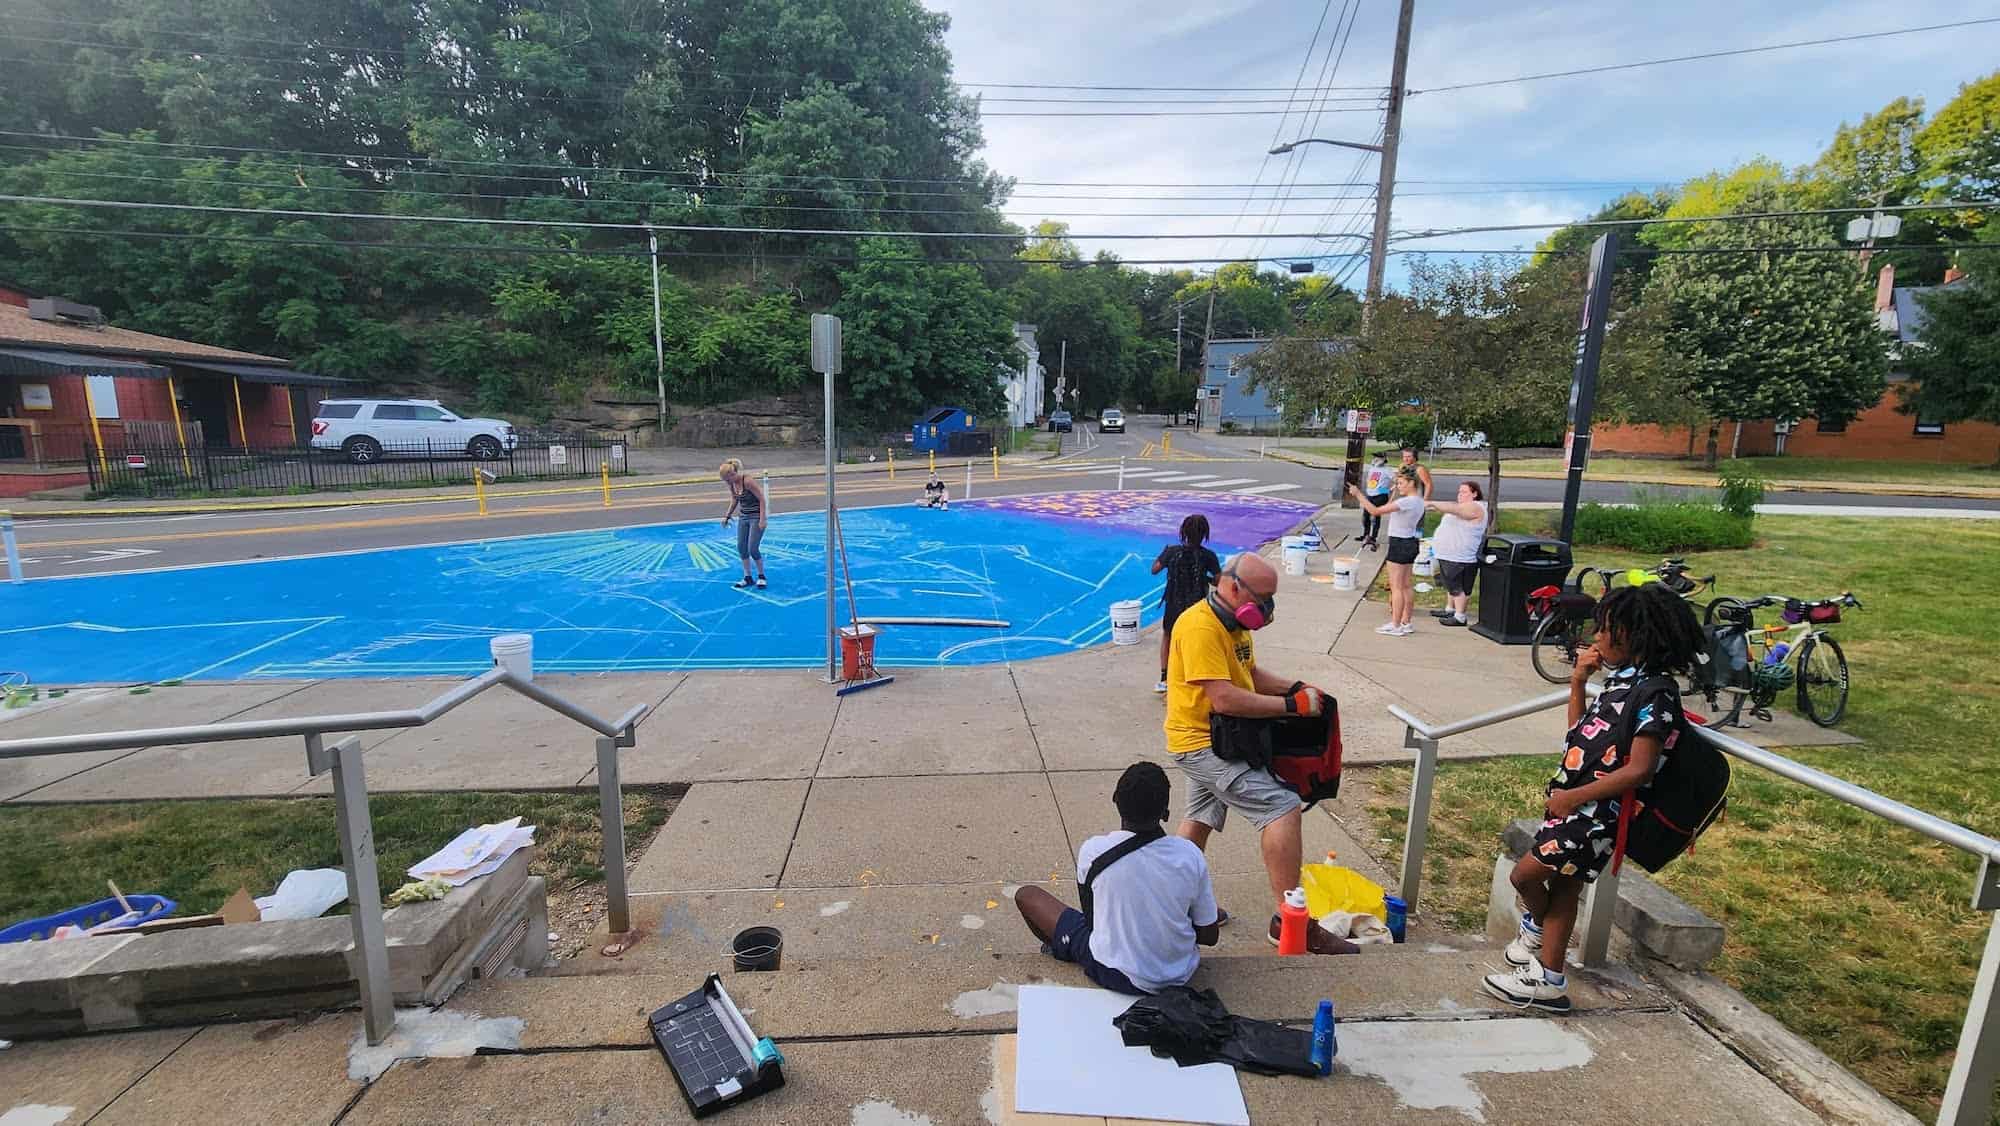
(1975, 1068)
(350, 794)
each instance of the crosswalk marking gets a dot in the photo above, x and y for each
(1185, 478)
(1142, 474)
(1214, 484)
(1080, 467)
(1267, 489)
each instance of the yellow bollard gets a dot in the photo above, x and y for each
(1166, 444)
(933, 462)
(996, 463)
(892, 465)
(606, 467)
(479, 489)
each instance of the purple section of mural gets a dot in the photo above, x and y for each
(1234, 519)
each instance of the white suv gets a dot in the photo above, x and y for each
(364, 430)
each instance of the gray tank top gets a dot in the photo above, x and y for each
(747, 502)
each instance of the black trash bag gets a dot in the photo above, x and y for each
(1191, 1026)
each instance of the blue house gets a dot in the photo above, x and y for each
(1226, 395)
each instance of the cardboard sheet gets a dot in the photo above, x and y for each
(1071, 1061)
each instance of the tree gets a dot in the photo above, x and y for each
(1955, 369)
(1875, 161)
(1755, 332)
(1960, 147)
(1088, 308)
(916, 336)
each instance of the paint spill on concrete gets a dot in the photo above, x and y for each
(36, 1114)
(1001, 998)
(1447, 1005)
(875, 1112)
(1440, 948)
(431, 1034)
(971, 922)
(835, 908)
(1431, 1066)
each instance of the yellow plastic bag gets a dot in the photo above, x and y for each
(1330, 888)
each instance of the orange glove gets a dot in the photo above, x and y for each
(1303, 699)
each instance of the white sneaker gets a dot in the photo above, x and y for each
(1525, 950)
(1160, 687)
(1387, 629)
(1528, 989)
(1405, 630)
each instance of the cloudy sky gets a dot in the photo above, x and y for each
(1532, 152)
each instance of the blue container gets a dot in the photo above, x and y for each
(1325, 1046)
(149, 907)
(1398, 911)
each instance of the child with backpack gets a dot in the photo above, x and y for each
(1620, 743)
(1191, 569)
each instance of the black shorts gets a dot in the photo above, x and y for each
(1457, 576)
(1171, 615)
(1403, 549)
(1071, 943)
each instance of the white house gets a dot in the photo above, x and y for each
(1023, 383)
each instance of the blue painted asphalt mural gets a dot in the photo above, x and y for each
(631, 599)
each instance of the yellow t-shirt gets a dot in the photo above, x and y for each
(1202, 649)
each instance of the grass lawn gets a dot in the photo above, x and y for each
(199, 852)
(1803, 469)
(1854, 932)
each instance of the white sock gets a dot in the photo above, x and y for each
(1553, 978)
(1528, 925)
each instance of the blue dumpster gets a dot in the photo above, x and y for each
(934, 432)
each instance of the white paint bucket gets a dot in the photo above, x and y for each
(1426, 559)
(1125, 622)
(1343, 572)
(515, 652)
(1295, 554)
(1312, 541)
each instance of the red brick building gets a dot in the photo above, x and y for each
(1880, 433)
(72, 385)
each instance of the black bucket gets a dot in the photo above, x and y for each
(758, 948)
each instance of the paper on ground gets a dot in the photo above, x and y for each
(305, 893)
(1070, 1060)
(474, 853)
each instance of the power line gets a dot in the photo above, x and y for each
(1708, 55)
(1953, 205)
(1311, 46)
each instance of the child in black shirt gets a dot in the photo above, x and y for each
(1645, 635)
(1191, 569)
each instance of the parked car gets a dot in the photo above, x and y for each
(1059, 423)
(364, 430)
(1112, 421)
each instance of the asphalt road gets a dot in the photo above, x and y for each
(77, 546)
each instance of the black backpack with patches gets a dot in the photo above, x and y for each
(1661, 819)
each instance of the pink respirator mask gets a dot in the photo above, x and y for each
(1252, 615)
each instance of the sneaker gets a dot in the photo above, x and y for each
(1373, 546)
(1451, 620)
(761, 584)
(745, 584)
(1319, 940)
(1405, 630)
(1387, 629)
(1160, 687)
(1525, 950)
(1440, 615)
(1528, 989)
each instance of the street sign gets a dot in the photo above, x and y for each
(559, 455)
(1359, 422)
(618, 452)
(135, 461)
(826, 344)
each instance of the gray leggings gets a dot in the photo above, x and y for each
(749, 536)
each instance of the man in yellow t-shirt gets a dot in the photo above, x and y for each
(1212, 667)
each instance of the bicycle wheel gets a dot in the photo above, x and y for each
(1822, 680)
(1724, 608)
(1557, 642)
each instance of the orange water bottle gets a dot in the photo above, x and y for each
(1292, 921)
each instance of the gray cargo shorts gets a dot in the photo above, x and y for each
(1216, 786)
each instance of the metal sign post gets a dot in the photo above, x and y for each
(1583, 385)
(826, 361)
(12, 550)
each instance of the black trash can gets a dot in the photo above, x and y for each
(1509, 567)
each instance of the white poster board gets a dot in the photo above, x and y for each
(103, 391)
(37, 397)
(1070, 1060)
(558, 455)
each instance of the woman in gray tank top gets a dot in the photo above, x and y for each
(746, 498)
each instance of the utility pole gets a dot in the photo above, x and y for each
(1207, 337)
(1378, 243)
(659, 351)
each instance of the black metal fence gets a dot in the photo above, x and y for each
(170, 471)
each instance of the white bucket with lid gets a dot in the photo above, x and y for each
(515, 652)
(1426, 559)
(1125, 622)
(1294, 548)
(1343, 572)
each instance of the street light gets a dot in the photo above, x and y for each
(1288, 146)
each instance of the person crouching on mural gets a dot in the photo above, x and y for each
(935, 495)
(746, 498)
(1191, 569)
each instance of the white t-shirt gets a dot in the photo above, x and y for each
(1377, 479)
(1406, 517)
(1457, 540)
(1146, 907)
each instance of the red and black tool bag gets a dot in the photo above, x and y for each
(1302, 752)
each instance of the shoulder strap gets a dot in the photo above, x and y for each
(1111, 856)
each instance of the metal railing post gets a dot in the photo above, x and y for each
(1968, 1094)
(364, 888)
(1417, 831)
(611, 811)
(1600, 910)
(1121, 473)
(13, 550)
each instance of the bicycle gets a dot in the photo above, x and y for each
(1566, 620)
(1753, 664)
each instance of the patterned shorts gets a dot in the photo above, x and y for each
(1578, 846)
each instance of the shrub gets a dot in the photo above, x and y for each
(1742, 488)
(1661, 527)
(1397, 429)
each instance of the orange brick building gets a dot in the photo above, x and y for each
(1880, 433)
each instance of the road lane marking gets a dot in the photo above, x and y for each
(1262, 489)
(1212, 483)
